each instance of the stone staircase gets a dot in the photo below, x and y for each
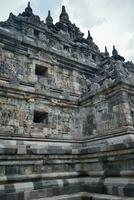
(41, 169)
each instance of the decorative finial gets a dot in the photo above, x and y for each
(49, 14)
(106, 52)
(49, 19)
(64, 16)
(89, 37)
(114, 52)
(28, 11)
(116, 56)
(28, 5)
(63, 9)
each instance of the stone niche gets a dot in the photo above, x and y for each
(41, 71)
(40, 117)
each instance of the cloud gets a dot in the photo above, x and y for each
(13, 6)
(130, 41)
(127, 46)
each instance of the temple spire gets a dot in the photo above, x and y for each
(28, 11)
(64, 16)
(116, 56)
(49, 19)
(106, 52)
(63, 9)
(28, 5)
(89, 37)
(114, 52)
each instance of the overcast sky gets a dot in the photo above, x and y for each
(110, 21)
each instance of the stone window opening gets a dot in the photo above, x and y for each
(94, 57)
(36, 33)
(41, 71)
(66, 48)
(40, 117)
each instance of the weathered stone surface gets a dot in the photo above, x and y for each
(67, 113)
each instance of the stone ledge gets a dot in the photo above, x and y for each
(64, 175)
(86, 196)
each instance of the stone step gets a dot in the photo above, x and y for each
(31, 177)
(47, 187)
(57, 175)
(86, 196)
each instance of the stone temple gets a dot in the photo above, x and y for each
(67, 113)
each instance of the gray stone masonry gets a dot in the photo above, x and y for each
(66, 113)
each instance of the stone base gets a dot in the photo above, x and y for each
(86, 196)
(46, 169)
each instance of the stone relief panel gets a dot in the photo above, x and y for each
(87, 116)
(70, 80)
(15, 116)
(106, 116)
(64, 79)
(19, 68)
(62, 121)
(58, 77)
(38, 118)
(13, 66)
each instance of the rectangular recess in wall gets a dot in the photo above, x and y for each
(36, 33)
(41, 70)
(40, 117)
